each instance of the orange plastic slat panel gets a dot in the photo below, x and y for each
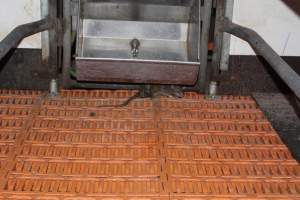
(190, 148)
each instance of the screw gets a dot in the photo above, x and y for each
(135, 44)
(53, 90)
(212, 91)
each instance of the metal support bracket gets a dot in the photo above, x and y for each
(262, 48)
(13, 39)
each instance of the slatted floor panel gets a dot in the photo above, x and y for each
(69, 147)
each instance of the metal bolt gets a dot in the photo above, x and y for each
(53, 90)
(212, 91)
(135, 44)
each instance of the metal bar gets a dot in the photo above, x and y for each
(224, 62)
(218, 39)
(202, 78)
(66, 43)
(287, 74)
(13, 39)
(130, 71)
(84, 85)
(106, 86)
(50, 40)
(53, 36)
(45, 35)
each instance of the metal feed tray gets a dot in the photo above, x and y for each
(141, 42)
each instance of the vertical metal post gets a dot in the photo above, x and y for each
(225, 51)
(45, 34)
(218, 39)
(66, 43)
(206, 18)
(53, 36)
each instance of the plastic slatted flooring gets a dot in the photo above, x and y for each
(190, 148)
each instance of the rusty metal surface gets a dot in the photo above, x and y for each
(190, 148)
(136, 72)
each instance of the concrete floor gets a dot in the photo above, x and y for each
(281, 112)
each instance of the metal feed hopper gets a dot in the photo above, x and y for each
(138, 41)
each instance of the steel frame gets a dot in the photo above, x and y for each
(59, 24)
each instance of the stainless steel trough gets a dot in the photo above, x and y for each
(138, 41)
